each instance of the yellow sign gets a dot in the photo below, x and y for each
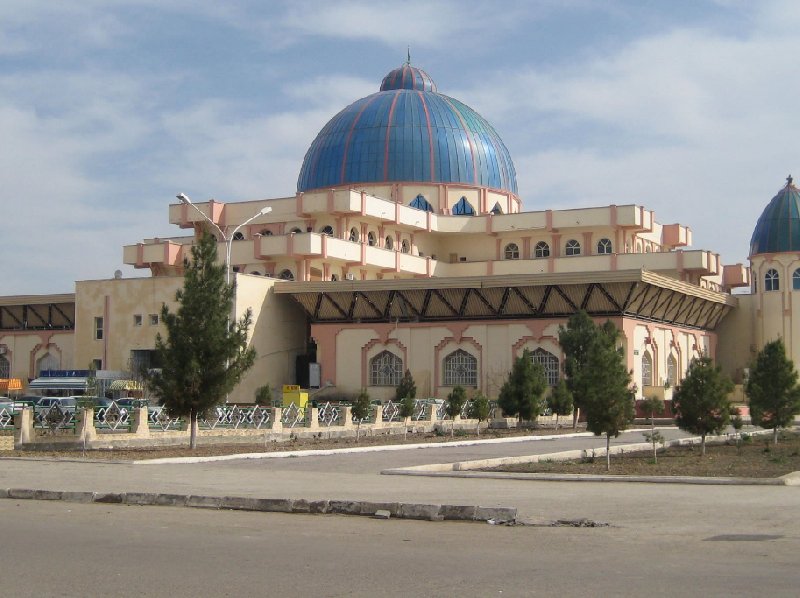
(291, 388)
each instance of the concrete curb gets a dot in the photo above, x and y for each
(358, 449)
(417, 511)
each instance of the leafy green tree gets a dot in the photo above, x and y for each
(653, 406)
(204, 354)
(576, 340)
(479, 410)
(772, 389)
(701, 400)
(264, 395)
(521, 394)
(406, 389)
(360, 410)
(455, 403)
(560, 400)
(608, 401)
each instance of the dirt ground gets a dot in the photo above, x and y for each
(756, 457)
(320, 442)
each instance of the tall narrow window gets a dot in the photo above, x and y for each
(460, 368)
(354, 236)
(550, 364)
(389, 243)
(573, 247)
(512, 251)
(796, 280)
(772, 280)
(385, 369)
(5, 367)
(672, 370)
(98, 329)
(463, 208)
(46, 362)
(405, 247)
(420, 203)
(371, 239)
(604, 246)
(542, 249)
(647, 369)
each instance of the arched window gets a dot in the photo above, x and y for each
(573, 247)
(648, 248)
(405, 247)
(604, 246)
(389, 243)
(672, 370)
(772, 280)
(295, 230)
(266, 233)
(334, 277)
(326, 230)
(796, 280)
(420, 203)
(286, 275)
(385, 369)
(550, 364)
(46, 362)
(512, 251)
(542, 249)
(354, 236)
(647, 369)
(463, 208)
(460, 368)
(371, 239)
(5, 367)
(238, 236)
(497, 209)
(638, 247)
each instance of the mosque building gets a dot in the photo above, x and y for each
(406, 247)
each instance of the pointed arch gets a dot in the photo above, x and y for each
(463, 208)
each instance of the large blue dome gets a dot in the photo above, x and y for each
(407, 132)
(778, 228)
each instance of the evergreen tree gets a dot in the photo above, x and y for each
(560, 400)
(406, 389)
(608, 400)
(407, 405)
(479, 410)
(521, 394)
(701, 400)
(360, 410)
(772, 389)
(264, 396)
(204, 354)
(576, 339)
(455, 403)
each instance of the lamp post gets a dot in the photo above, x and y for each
(228, 240)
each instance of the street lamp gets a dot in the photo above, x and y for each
(228, 240)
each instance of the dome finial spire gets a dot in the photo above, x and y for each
(789, 180)
(408, 55)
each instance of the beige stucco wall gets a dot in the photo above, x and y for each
(24, 348)
(277, 334)
(117, 302)
(737, 347)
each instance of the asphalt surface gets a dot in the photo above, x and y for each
(661, 539)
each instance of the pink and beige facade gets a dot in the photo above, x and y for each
(406, 246)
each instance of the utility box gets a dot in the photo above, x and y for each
(292, 393)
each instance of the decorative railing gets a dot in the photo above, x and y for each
(112, 417)
(293, 416)
(159, 419)
(329, 414)
(6, 418)
(420, 410)
(54, 418)
(391, 412)
(238, 417)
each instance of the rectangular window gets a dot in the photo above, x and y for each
(153, 319)
(97, 364)
(98, 329)
(137, 319)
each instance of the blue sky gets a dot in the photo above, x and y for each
(109, 108)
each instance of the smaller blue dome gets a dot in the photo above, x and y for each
(408, 77)
(778, 228)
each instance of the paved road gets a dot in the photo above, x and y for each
(54, 548)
